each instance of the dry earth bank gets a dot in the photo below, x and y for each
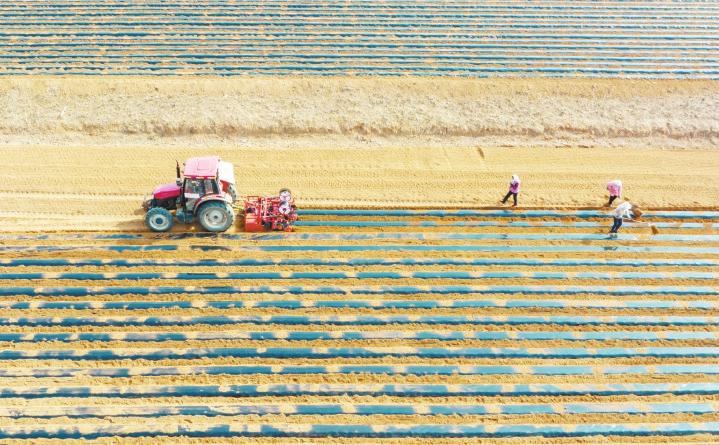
(445, 112)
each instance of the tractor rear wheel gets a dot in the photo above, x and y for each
(216, 216)
(232, 191)
(159, 219)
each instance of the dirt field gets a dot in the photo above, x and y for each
(357, 112)
(599, 332)
(79, 153)
(96, 188)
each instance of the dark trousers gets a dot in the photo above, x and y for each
(611, 200)
(617, 224)
(506, 197)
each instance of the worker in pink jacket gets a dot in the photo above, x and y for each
(513, 190)
(615, 191)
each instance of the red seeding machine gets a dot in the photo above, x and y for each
(205, 192)
(270, 213)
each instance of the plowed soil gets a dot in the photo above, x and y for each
(79, 154)
(601, 367)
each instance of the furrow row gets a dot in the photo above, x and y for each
(386, 369)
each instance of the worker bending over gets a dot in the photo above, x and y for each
(625, 210)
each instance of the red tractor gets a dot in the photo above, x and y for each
(205, 191)
(270, 213)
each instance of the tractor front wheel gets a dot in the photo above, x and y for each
(159, 219)
(216, 216)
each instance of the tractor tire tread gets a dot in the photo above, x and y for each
(156, 211)
(228, 207)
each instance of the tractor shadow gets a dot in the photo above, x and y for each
(138, 233)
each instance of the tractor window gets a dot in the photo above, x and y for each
(210, 186)
(194, 188)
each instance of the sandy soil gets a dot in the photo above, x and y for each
(113, 111)
(93, 188)
(79, 153)
(524, 376)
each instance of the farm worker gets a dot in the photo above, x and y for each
(513, 190)
(624, 210)
(615, 190)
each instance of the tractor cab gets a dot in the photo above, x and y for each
(216, 176)
(205, 191)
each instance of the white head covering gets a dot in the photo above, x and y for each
(515, 178)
